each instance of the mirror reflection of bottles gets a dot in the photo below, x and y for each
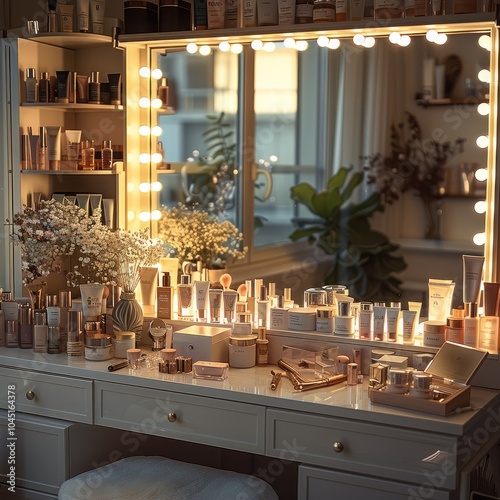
(106, 155)
(388, 9)
(88, 155)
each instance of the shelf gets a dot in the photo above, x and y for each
(451, 101)
(80, 107)
(416, 25)
(69, 40)
(71, 172)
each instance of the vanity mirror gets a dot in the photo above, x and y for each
(300, 113)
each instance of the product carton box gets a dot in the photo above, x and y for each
(452, 369)
(203, 343)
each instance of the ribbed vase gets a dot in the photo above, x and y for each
(128, 315)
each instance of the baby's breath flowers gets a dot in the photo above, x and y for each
(60, 237)
(195, 235)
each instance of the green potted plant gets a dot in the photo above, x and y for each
(362, 259)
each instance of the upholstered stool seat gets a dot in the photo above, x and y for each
(155, 478)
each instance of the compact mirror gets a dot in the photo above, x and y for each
(160, 333)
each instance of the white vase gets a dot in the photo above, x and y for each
(128, 316)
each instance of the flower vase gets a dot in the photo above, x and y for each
(128, 315)
(215, 274)
(36, 293)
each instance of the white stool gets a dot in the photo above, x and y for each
(141, 478)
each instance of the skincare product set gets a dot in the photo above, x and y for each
(69, 87)
(55, 149)
(84, 16)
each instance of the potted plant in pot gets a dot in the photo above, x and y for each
(362, 259)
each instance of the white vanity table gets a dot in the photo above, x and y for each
(343, 442)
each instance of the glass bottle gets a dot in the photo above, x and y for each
(88, 155)
(40, 332)
(94, 88)
(106, 155)
(323, 11)
(44, 87)
(31, 86)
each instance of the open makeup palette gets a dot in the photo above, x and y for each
(452, 369)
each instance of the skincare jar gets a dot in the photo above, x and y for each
(242, 351)
(422, 360)
(378, 353)
(122, 342)
(434, 333)
(314, 297)
(378, 375)
(302, 318)
(133, 357)
(398, 381)
(421, 385)
(98, 347)
(325, 321)
(168, 354)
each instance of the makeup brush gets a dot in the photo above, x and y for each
(242, 292)
(225, 280)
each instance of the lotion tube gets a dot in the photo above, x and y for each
(392, 314)
(473, 273)
(91, 300)
(82, 15)
(440, 295)
(409, 326)
(97, 15)
(229, 298)
(149, 284)
(201, 294)
(215, 300)
(54, 147)
(488, 334)
(379, 315)
(216, 11)
(490, 298)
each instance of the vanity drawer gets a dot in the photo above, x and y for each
(317, 483)
(48, 395)
(369, 449)
(203, 420)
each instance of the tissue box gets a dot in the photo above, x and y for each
(203, 343)
(312, 361)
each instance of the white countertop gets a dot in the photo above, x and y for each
(252, 385)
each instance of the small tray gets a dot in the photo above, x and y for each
(452, 369)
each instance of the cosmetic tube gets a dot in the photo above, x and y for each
(40, 332)
(149, 283)
(357, 10)
(250, 13)
(115, 80)
(392, 314)
(82, 88)
(365, 320)
(267, 12)
(82, 15)
(73, 138)
(201, 295)
(95, 202)
(200, 15)
(65, 17)
(215, 301)
(185, 297)
(63, 86)
(231, 14)
(490, 298)
(440, 295)
(408, 326)
(286, 12)
(97, 8)
(428, 75)
(83, 201)
(108, 205)
(216, 12)
(41, 159)
(473, 273)
(25, 327)
(417, 307)
(379, 319)
(54, 147)
(91, 300)
(229, 298)
(263, 308)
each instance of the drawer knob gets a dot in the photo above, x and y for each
(338, 447)
(30, 395)
(172, 417)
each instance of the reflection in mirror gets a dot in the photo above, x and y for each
(319, 109)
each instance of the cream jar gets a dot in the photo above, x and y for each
(421, 386)
(98, 347)
(434, 333)
(302, 318)
(314, 297)
(398, 381)
(325, 321)
(242, 351)
(122, 342)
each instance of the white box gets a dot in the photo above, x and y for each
(203, 343)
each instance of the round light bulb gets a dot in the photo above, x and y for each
(484, 76)
(394, 37)
(256, 44)
(441, 39)
(205, 50)
(130, 187)
(156, 74)
(358, 39)
(237, 48)
(480, 207)
(224, 46)
(144, 187)
(269, 46)
(156, 186)
(156, 158)
(145, 216)
(483, 109)
(481, 174)
(289, 43)
(479, 239)
(369, 42)
(431, 35)
(322, 41)
(144, 158)
(482, 142)
(156, 131)
(191, 48)
(484, 42)
(144, 102)
(144, 72)
(301, 45)
(404, 41)
(334, 43)
(156, 103)
(155, 215)
(144, 130)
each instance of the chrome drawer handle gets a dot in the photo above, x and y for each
(172, 417)
(30, 395)
(338, 447)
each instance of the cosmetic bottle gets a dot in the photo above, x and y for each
(250, 299)
(379, 317)
(278, 315)
(271, 295)
(44, 87)
(65, 304)
(185, 297)
(488, 334)
(164, 296)
(325, 319)
(41, 163)
(25, 327)
(409, 327)
(471, 327)
(106, 156)
(163, 92)
(287, 298)
(94, 88)
(2, 329)
(88, 155)
(31, 86)
(392, 317)
(54, 340)
(229, 299)
(12, 333)
(215, 304)
(262, 347)
(344, 322)
(365, 320)
(201, 299)
(263, 308)
(40, 332)
(455, 327)
(75, 333)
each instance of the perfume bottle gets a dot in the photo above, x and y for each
(42, 149)
(164, 296)
(40, 332)
(106, 156)
(185, 297)
(94, 88)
